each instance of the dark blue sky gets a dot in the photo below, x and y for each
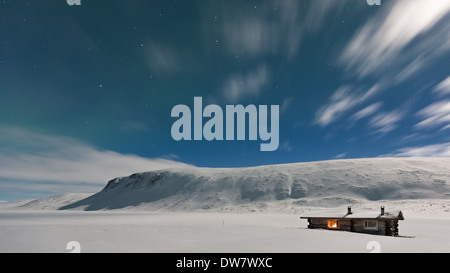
(95, 83)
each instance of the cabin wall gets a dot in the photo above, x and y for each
(318, 223)
(343, 224)
(385, 227)
(359, 226)
(392, 227)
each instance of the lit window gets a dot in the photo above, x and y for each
(371, 225)
(332, 223)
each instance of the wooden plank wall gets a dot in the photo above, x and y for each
(385, 227)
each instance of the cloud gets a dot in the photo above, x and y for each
(286, 104)
(250, 36)
(410, 69)
(273, 27)
(285, 146)
(401, 40)
(367, 111)
(390, 37)
(40, 160)
(443, 88)
(435, 150)
(263, 31)
(386, 122)
(435, 114)
(445, 127)
(339, 156)
(239, 85)
(339, 103)
(162, 59)
(266, 29)
(343, 100)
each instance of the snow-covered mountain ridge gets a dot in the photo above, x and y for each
(325, 183)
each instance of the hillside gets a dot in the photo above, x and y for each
(323, 183)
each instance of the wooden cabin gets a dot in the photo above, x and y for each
(378, 223)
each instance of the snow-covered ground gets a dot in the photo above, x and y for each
(323, 183)
(425, 229)
(249, 210)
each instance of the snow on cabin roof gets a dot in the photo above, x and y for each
(397, 214)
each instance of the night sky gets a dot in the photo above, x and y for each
(86, 91)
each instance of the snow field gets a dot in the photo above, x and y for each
(212, 232)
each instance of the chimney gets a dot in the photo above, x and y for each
(382, 210)
(349, 210)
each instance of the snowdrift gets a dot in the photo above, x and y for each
(324, 183)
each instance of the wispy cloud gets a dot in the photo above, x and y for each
(252, 36)
(257, 33)
(367, 111)
(384, 39)
(162, 59)
(435, 150)
(386, 122)
(250, 84)
(286, 146)
(339, 156)
(435, 114)
(286, 104)
(343, 100)
(269, 28)
(399, 41)
(274, 27)
(36, 159)
(443, 88)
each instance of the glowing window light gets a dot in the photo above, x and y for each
(332, 224)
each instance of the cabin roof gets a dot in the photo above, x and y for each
(397, 214)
